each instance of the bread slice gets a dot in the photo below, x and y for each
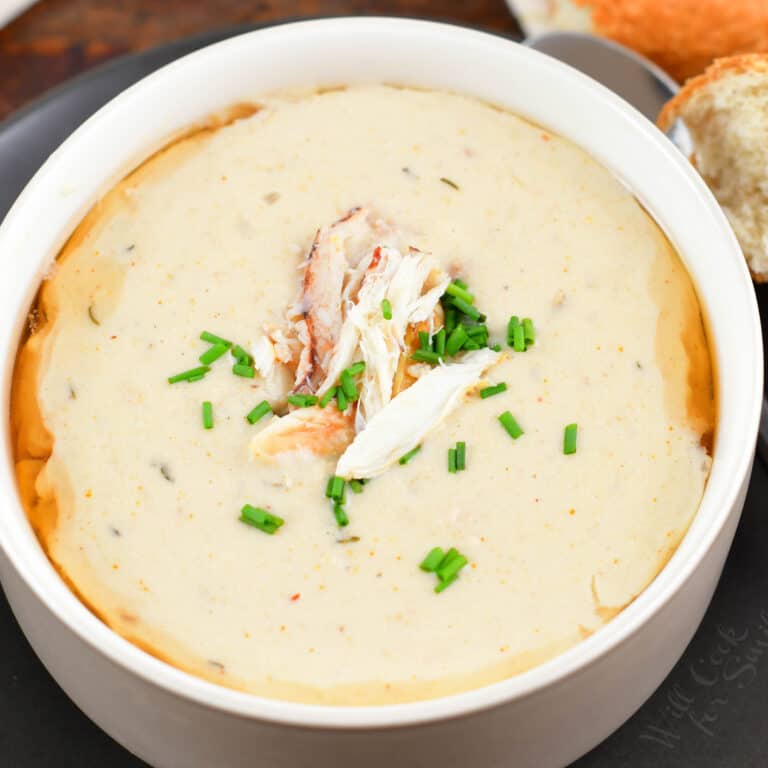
(726, 112)
(681, 36)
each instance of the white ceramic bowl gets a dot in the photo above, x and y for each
(545, 717)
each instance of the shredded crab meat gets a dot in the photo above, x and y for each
(315, 431)
(408, 418)
(352, 266)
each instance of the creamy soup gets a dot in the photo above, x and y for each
(450, 412)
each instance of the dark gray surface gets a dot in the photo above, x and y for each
(711, 712)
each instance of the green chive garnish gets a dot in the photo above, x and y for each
(439, 342)
(340, 514)
(207, 415)
(349, 387)
(496, 347)
(356, 368)
(471, 344)
(241, 355)
(518, 339)
(461, 456)
(467, 309)
(496, 389)
(193, 374)
(212, 354)
(356, 486)
(431, 562)
(327, 397)
(474, 331)
(456, 340)
(213, 339)
(260, 518)
(455, 290)
(452, 460)
(302, 401)
(528, 332)
(426, 356)
(569, 439)
(386, 309)
(246, 371)
(441, 585)
(405, 458)
(458, 281)
(514, 430)
(341, 399)
(514, 321)
(424, 341)
(451, 316)
(261, 410)
(448, 571)
(335, 488)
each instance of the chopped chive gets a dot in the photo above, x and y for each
(246, 371)
(467, 309)
(456, 340)
(495, 347)
(513, 429)
(349, 387)
(441, 585)
(449, 182)
(302, 401)
(335, 488)
(241, 355)
(356, 368)
(356, 486)
(213, 339)
(528, 332)
(439, 342)
(386, 309)
(476, 330)
(260, 518)
(405, 458)
(518, 339)
(452, 460)
(432, 560)
(341, 399)
(458, 281)
(207, 415)
(426, 356)
(261, 410)
(450, 570)
(451, 320)
(461, 456)
(327, 397)
(569, 439)
(193, 374)
(213, 354)
(514, 321)
(340, 514)
(496, 389)
(471, 344)
(455, 290)
(449, 555)
(424, 341)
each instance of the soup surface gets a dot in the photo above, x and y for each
(325, 229)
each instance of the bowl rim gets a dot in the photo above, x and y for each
(16, 545)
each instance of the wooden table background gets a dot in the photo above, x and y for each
(57, 39)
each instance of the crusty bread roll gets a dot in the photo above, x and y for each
(726, 112)
(681, 36)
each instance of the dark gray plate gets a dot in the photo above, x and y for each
(711, 712)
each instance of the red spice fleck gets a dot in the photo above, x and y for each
(545, 137)
(113, 337)
(295, 597)
(376, 258)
